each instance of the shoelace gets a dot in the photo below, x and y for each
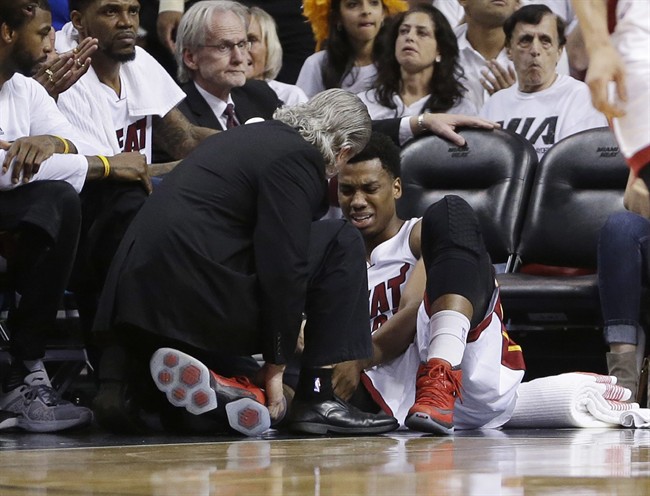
(428, 394)
(48, 395)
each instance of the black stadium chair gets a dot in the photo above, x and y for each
(578, 184)
(493, 173)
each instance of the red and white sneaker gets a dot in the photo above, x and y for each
(189, 384)
(436, 389)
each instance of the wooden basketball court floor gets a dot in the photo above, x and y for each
(510, 463)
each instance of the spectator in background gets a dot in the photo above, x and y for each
(481, 42)
(295, 34)
(419, 71)
(347, 30)
(544, 107)
(266, 56)
(212, 51)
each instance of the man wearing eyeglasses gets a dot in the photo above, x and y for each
(212, 55)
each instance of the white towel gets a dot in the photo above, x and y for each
(576, 400)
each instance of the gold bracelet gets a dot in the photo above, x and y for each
(107, 165)
(66, 145)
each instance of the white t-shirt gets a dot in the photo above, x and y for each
(545, 117)
(289, 94)
(473, 63)
(27, 110)
(379, 111)
(121, 123)
(310, 79)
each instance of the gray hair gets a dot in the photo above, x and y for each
(270, 38)
(330, 120)
(195, 25)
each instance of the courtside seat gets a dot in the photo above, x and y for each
(578, 184)
(493, 173)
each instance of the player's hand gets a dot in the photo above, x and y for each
(60, 71)
(605, 66)
(27, 154)
(166, 25)
(130, 166)
(444, 125)
(274, 390)
(496, 77)
(346, 377)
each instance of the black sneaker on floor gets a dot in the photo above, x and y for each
(336, 416)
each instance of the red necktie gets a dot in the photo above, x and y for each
(231, 120)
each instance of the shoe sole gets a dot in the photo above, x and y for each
(9, 423)
(53, 425)
(315, 428)
(187, 383)
(422, 422)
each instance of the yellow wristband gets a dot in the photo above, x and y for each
(66, 145)
(107, 165)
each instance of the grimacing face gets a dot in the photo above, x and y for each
(535, 52)
(367, 194)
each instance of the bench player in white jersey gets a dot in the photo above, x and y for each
(440, 362)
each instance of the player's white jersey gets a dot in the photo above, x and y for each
(389, 267)
(492, 364)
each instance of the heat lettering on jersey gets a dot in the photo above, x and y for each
(136, 136)
(381, 309)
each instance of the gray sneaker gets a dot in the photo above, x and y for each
(8, 420)
(40, 409)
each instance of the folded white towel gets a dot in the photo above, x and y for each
(576, 400)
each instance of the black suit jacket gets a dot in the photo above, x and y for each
(218, 256)
(254, 99)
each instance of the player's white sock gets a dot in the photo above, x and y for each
(448, 336)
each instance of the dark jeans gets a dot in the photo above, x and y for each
(623, 253)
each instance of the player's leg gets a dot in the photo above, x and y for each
(460, 283)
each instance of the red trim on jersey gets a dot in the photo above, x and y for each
(611, 15)
(639, 160)
(375, 395)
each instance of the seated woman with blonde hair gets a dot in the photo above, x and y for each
(266, 56)
(419, 71)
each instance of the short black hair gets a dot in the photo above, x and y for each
(533, 14)
(15, 13)
(382, 147)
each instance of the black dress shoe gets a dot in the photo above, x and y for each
(335, 415)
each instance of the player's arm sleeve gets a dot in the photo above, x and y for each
(69, 168)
